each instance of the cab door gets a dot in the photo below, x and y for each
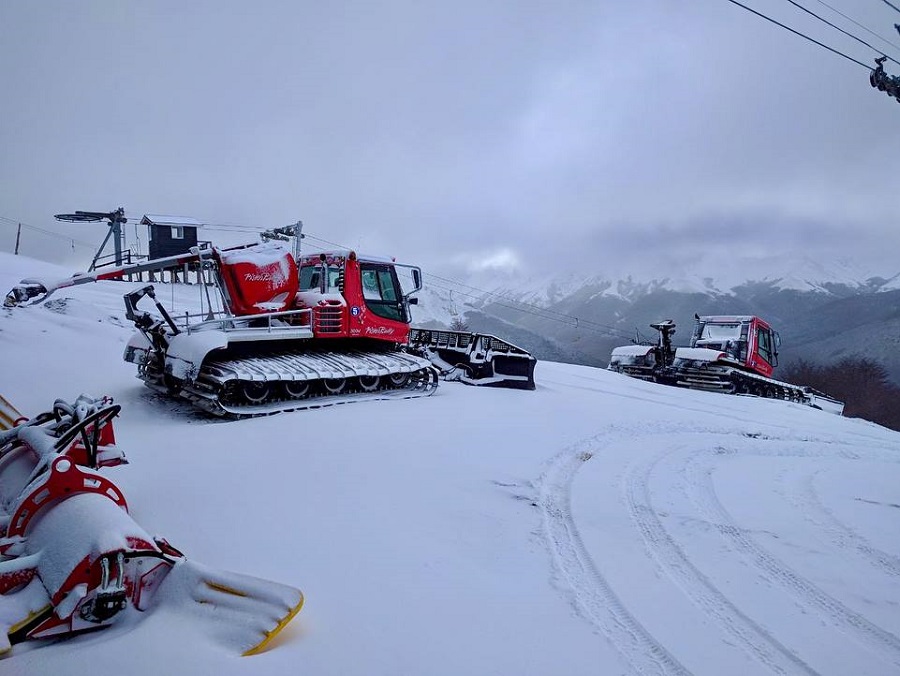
(765, 356)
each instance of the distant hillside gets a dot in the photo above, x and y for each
(582, 319)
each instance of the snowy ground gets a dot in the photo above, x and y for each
(598, 525)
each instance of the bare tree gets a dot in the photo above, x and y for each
(459, 324)
(861, 383)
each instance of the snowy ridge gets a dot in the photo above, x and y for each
(893, 284)
(778, 274)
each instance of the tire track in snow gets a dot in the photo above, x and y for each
(802, 495)
(883, 643)
(749, 635)
(593, 597)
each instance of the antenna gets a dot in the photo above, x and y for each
(116, 220)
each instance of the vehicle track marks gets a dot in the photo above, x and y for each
(749, 635)
(596, 601)
(802, 495)
(592, 595)
(885, 645)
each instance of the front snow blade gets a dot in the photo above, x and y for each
(475, 358)
(822, 401)
(245, 613)
(9, 415)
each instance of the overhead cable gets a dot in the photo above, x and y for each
(854, 21)
(49, 233)
(848, 34)
(802, 35)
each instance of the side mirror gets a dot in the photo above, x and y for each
(417, 278)
(413, 301)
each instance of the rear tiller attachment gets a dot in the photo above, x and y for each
(475, 358)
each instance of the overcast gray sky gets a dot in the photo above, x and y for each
(622, 137)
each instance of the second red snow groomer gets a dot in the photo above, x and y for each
(731, 354)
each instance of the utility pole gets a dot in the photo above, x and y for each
(298, 235)
(18, 237)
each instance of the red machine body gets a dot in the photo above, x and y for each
(257, 281)
(346, 296)
(747, 340)
(353, 298)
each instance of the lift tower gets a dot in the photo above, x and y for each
(115, 218)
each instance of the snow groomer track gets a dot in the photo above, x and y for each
(664, 487)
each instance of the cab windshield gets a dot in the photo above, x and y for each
(311, 275)
(730, 337)
(721, 332)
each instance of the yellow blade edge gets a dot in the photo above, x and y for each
(225, 589)
(32, 616)
(261, 646)
(8, 414)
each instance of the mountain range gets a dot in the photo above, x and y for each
(823, 313)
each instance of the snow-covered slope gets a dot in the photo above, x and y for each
(597, 525)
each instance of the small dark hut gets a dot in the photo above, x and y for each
(170, 235)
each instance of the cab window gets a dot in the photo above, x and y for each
(765, 346)
(381, 293)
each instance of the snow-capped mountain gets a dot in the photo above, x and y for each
(778, 274)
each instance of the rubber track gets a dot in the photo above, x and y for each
(720, 379)
(298, 366)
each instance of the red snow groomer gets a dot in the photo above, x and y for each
(286, 333)
(728, 354)
(280, 334)
(73, 560)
